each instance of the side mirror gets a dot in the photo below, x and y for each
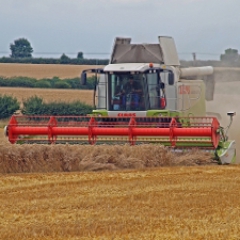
(83, 78)
(170, 78)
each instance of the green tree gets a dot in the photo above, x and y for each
(8, 105)
(64, 58)
(21, 48)
(80, 55)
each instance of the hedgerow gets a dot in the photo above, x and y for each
(8, 105)
(36, 106)
(55, 82)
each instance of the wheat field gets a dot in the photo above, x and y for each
(50, 95)
(39, 71)
(161, 203)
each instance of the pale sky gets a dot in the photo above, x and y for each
(54, 27)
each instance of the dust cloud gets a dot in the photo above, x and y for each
(227, 99)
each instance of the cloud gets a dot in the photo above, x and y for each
(91, 25)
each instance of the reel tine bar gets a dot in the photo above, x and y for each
(174, 130)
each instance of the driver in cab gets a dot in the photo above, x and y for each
(131, 87)
(131, 92)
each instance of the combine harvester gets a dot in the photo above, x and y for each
(142, 96)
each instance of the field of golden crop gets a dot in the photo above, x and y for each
(39, 71)
(50, 95)
(161, 203)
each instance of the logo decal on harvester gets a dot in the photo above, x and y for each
(184, 89)
(127, 115)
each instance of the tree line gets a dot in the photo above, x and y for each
(55, 82)
(21, 52)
